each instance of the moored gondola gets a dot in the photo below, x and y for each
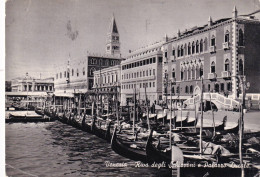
(123, 148)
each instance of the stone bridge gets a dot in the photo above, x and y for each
(219, 100)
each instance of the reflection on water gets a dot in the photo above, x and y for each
(56, 149)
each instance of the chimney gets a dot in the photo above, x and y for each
(166, 38)
(179, 33)
(234, 12)
(210, 21)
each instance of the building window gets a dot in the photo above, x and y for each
(201, 71)
(150, 72)
(189, 49)
(185, 49)
(182, 50)
(160, 59)
(178, 89)
(186, 89)
(68, 73)
(227, 65)
(173, 73)
(173, 90)
(178, 51)
(191, 89)
(140, 85)
(181, 74)
(153, 84)
(57, 75)
(72, 72)
(229, 86)
(241, 38)
(150, 84)
(143, 73)
(91, 71)
(193, 48)
(64, 74)
(154, 60)
(154, 72)
(197, 47)
(201, 45)
(213, 67)
(165, 54)
(216, 87)
(60, 75)
(222, 87)
(77, 72)
(173, 52)
(227, 36)
(213, 40)
(83, 71)
(240, 67)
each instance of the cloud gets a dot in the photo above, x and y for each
(70, 33)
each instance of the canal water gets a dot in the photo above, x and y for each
(56, 149)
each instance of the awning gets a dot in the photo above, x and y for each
(62, 94)
(26, 94)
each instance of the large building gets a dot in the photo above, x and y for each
(107, 78)
(30, 84)
(220, 52)
(142, 70)
(30, 89)
(77, 75)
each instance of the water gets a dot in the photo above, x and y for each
(56, 149)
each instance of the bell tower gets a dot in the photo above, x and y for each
(113, 44)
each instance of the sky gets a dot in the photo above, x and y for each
(40, 34)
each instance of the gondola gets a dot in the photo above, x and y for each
(195, 131)
(123, 148)
(100, 132)
(155, 154)
(85, 126)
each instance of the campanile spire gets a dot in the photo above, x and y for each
(113, 44)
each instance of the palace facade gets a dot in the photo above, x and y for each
(220, 52)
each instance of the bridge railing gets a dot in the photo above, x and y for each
(221, 99)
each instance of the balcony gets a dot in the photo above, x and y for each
(212, 49)
(212, 76)
(225, 45)
(226, 74)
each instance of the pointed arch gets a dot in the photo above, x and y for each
(227, 67)
(213, 67)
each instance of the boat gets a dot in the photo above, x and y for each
(188, 131)
(102, 131)
(86, 127)
(124, 148)
(27, 118)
